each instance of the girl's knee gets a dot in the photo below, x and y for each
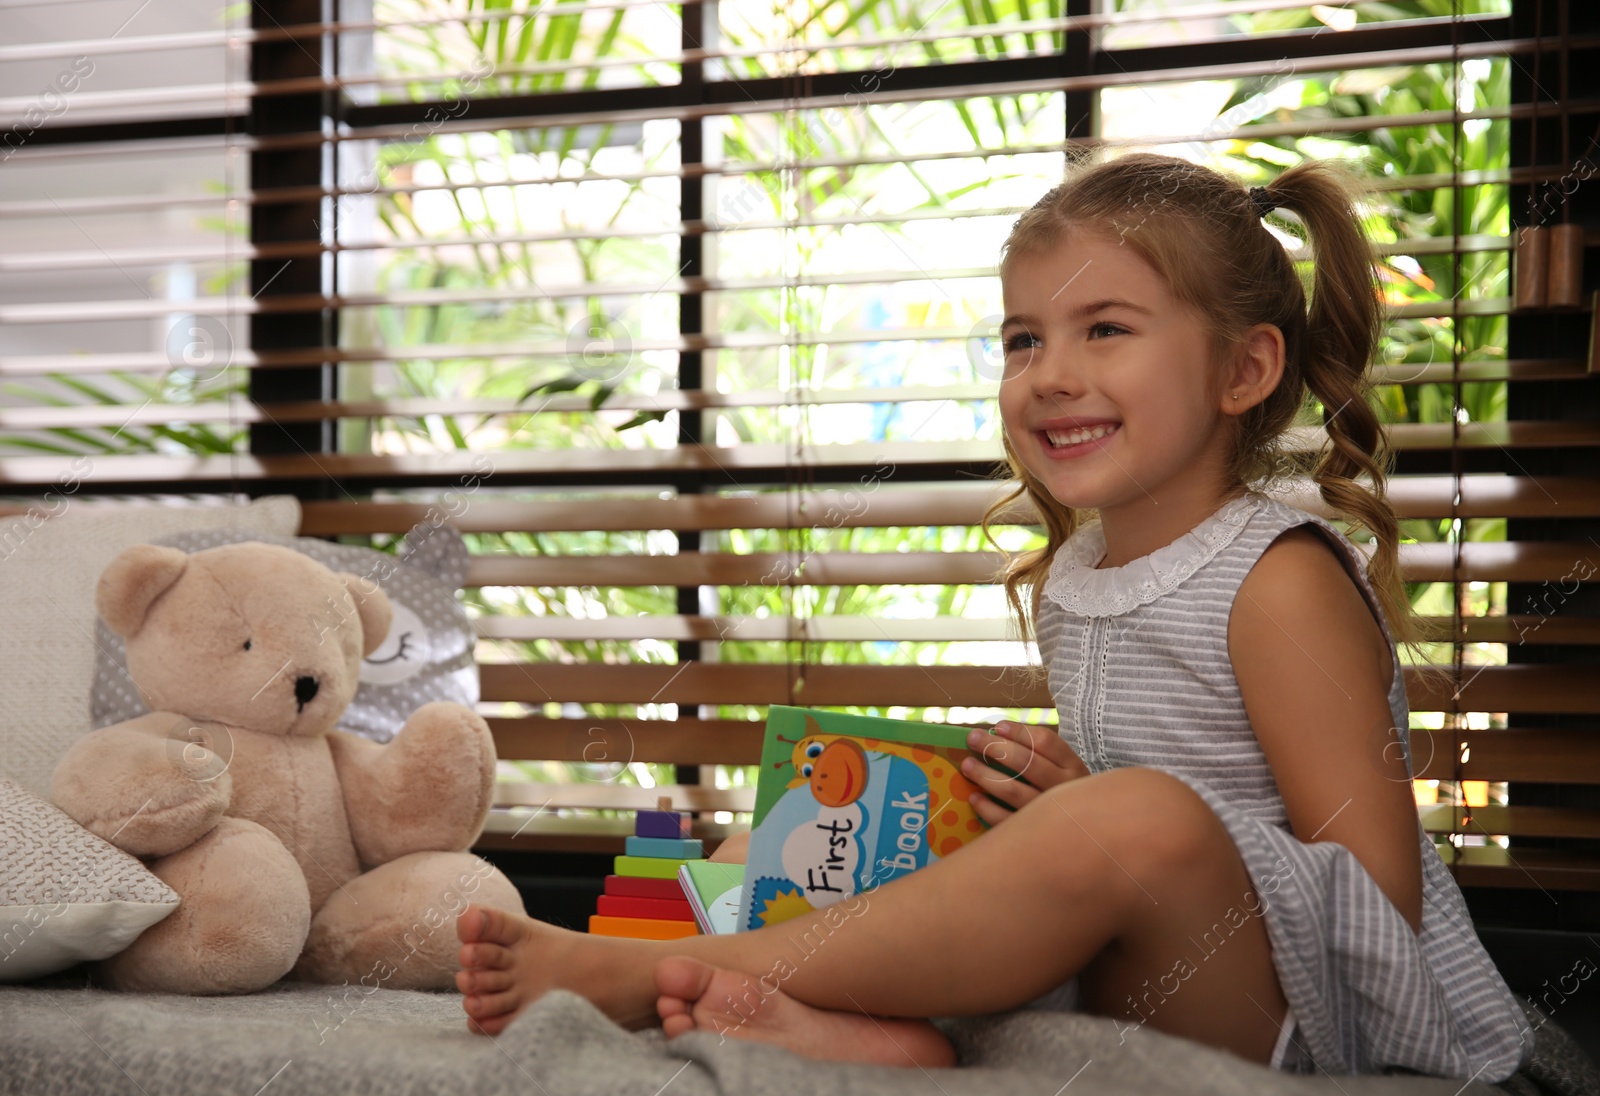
(1147, 821)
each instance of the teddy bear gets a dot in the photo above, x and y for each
(297, 849)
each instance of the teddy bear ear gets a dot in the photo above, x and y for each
(131, 583)
(372, 606)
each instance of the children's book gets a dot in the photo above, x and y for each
(845, 803)
(713, 892)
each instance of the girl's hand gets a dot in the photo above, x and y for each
(1039, 756)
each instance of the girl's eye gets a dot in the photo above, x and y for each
(1022, 340)
(1104, 328)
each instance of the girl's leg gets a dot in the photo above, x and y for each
(1115, 878)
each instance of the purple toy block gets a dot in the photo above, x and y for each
(674, 824)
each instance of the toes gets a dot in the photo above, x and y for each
(469, 926)
(486, 957)
(667, 1006)
(483, 924)
(683, 977)
(494, 1025)
(484, 1006)
(674, 1026)
(484, 981)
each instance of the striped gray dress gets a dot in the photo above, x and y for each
(1138, 664)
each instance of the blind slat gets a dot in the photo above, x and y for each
(1543, 869)
(613, 796)
(1532, 369)
(813, 686)
(68, 205)
(949, 504)
(1512, 821)
(241, 411)
(42, 472)
(1516, 688)
(27, 262)
(608, 741)
(1554, 629)
(48, 312)
(727, 569)
(700, 629)
(1524, 628)
(525, 831)
(1542, 755)
(1556, 562)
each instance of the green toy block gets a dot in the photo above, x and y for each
(648, 867)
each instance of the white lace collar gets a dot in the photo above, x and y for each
(1083, 590)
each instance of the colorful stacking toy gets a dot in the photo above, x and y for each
(644, 899)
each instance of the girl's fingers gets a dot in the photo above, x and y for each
(1029, 765)
(1047, 744)
(1041, 740)
(995, 750)
(988, 810)
(998, 749)
(1007, 789)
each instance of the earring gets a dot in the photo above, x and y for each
(1236, 395)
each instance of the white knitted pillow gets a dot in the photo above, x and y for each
(48, 570)
(66, 896)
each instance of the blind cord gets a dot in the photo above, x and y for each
(1564, 106)
(228, 252)
(1457, 526)
(800, 476)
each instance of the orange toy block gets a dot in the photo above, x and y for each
(641, 928)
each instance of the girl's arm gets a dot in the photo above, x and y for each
(1314, 670)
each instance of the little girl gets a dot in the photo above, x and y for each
(1222, 842)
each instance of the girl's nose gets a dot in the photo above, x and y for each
(1050, 373)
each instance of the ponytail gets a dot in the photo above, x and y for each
(1343, 325)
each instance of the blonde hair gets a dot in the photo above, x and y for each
(1203, 232)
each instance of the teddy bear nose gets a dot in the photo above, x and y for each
(305, 689)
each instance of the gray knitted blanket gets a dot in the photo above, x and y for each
(60, 1038)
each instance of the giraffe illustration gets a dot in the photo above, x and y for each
(836, 767)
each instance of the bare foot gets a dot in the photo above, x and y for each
(696, 995)
(497, 974)
(510, 960)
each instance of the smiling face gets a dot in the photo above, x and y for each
(1110, 396)
(840, 774)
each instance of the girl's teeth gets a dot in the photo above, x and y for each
(1077, 437)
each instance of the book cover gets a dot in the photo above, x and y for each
(713, 893)
(845, 803)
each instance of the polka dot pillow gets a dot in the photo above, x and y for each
(427, 655)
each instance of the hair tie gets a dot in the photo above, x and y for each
(1263, 201)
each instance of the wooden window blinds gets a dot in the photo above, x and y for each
(684, 314)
